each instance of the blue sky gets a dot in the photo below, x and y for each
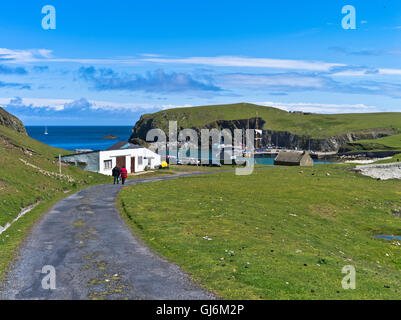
(108, 63)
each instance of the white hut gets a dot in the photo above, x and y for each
(133, 157)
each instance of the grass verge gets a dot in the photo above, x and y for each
(29, 174)
(280, 233)
(11, 239)
(381, 144)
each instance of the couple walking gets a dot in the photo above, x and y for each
(117, 173)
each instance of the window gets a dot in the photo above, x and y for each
(107, 164)
(139, 161)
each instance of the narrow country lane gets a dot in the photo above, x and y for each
(94, 255)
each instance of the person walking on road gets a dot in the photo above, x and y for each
(124, 174)
(116, 174)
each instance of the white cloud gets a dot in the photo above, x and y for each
(171, 106)
(62, 104)
(392, 72)
(361, 73)
(321, 107)
(45, 55)
(108, 105)
(232, 61)
(279, 80)
(352, 73)
(24, 56)
(56, 104)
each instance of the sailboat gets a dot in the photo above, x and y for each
(46, 133)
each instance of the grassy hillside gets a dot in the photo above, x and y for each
(386, 143)
(396, 158)
(315, 125)
(28, 174)
(280, 233)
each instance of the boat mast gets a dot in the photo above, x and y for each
(257, 134)
(247, 133)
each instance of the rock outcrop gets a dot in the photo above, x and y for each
(10, 121)
(381, 171)
(334, 143)
(140, 142)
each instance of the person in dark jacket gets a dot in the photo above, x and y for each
(116, 174)
(124, 174)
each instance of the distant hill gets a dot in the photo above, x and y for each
(10, 121)
(326, 131)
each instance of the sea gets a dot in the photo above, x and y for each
(79, 137)
(90, 137)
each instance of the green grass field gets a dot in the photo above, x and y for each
(190, 168)
(386, 143)
(28, 171)
(314, 125)
(280, 233)
(177, 169)
(396, 158)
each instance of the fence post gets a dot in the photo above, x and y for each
(59, 164)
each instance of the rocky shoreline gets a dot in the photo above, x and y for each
(384, 171)
(367, 154)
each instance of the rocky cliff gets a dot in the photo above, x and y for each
(10, 121)
(334, 143)
(270, 137)
(144, 125)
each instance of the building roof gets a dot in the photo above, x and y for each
(123, 145)
(78, 153)
(289, 156)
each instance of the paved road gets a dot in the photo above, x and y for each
(94, 255)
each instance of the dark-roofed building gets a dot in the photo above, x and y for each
(134, 158)
(293, 158)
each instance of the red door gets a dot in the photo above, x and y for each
(121, 162)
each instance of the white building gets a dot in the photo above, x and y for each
(133, 157)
